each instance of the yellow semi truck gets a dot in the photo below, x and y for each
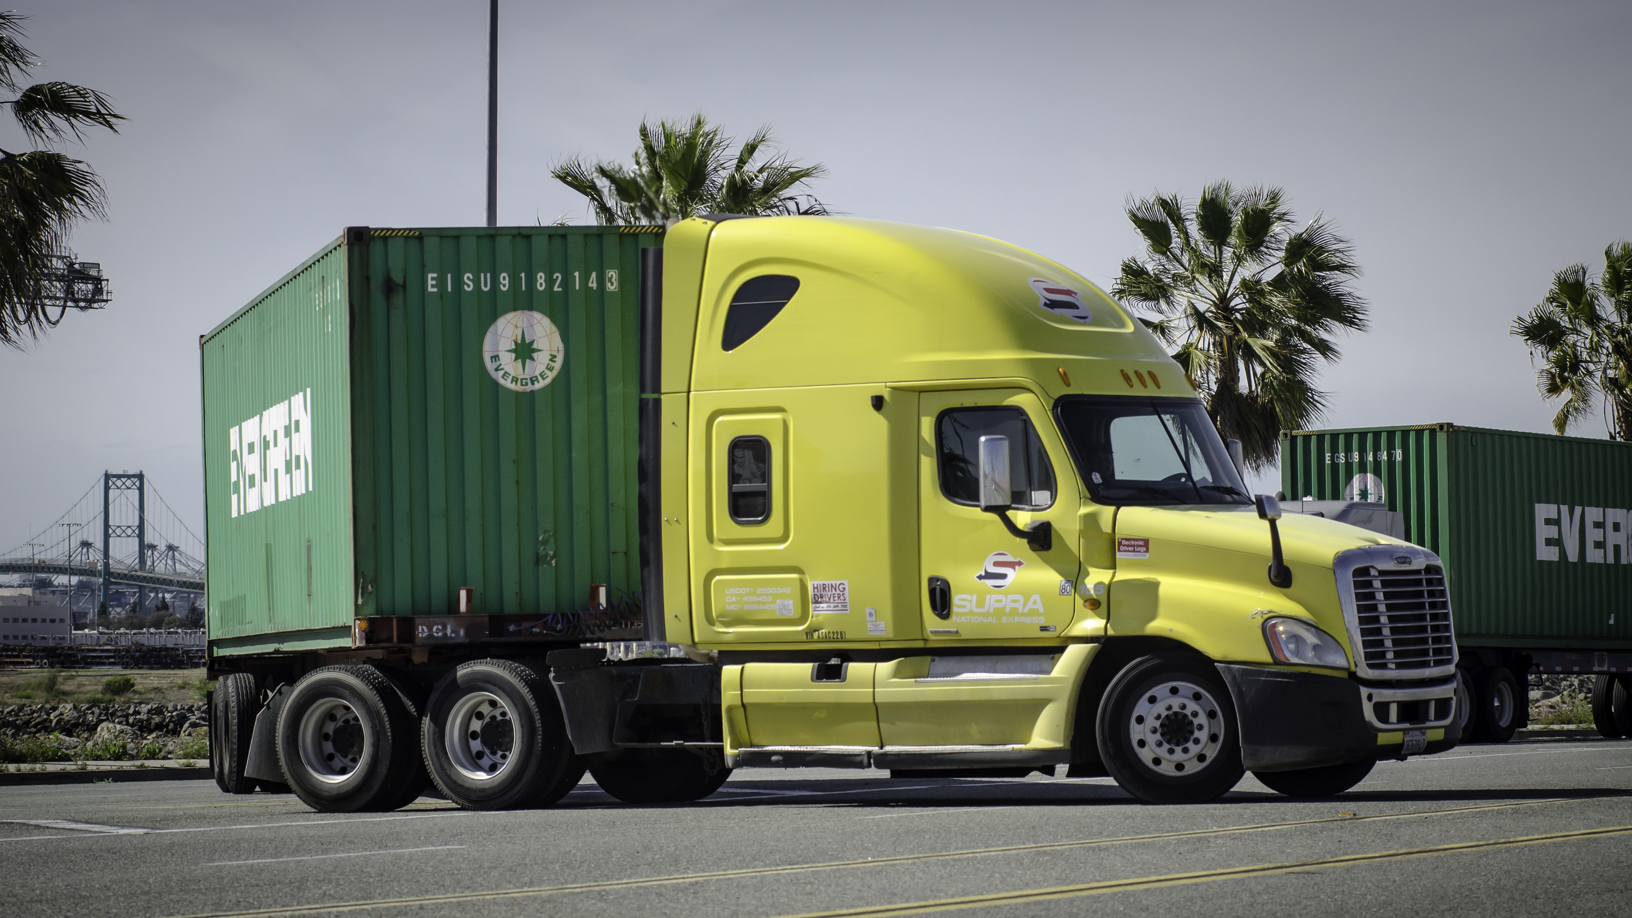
(904, 498)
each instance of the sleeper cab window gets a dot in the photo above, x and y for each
(749, 476)
(754, 305)
(957, 444)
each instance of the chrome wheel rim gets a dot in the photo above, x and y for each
(480, 736)
(1176, 729)
(332, 740)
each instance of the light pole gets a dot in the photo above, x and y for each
(493, 113)
(68, 568)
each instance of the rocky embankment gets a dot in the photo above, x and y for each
(109, 731)
(1553, 694)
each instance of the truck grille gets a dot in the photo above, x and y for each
(1404, 619)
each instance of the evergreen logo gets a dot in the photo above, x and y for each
(269, 456)
(523, 351)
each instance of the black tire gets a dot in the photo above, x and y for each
(340, 737)
(1173, 697)
(1603, 706)
(233, 707)
(1465, 707)
(1621, 703)
(490, 711)
(415, 778)
(661, 775)
(1498, 712)
(1326, 781)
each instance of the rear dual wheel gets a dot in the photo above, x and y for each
(233, 706)
(347, 741)
(493, 738)
(1612, 705)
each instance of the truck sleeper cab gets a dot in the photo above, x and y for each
(910, 499)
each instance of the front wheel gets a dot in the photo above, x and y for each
(1326, 781)
(1167, 730)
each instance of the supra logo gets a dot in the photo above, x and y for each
(523, 351)
(1058, 298)
(999, 570)
(269, 456)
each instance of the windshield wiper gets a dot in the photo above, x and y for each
(1150, 490)
(1183, 459)
(1224, 489)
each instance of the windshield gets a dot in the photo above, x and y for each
(1148, 451)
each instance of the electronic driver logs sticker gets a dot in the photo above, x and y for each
(1133, 548)
(1062, 299)
(829, 596)
(999, 569)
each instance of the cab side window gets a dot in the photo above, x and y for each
(957, 443)
(749, 477)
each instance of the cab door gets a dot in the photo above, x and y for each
(977, 581)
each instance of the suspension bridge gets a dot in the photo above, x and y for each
(119, 537)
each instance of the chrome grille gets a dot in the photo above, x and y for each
(1403, 619)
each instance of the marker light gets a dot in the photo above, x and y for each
(1302, 644)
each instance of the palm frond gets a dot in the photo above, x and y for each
(53, 111)
(15, 60)
(42, 195)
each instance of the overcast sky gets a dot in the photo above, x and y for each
(1469, 150)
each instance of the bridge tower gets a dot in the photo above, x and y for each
(126, 481)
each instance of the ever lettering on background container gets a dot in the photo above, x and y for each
(412, 411)
(1533, 528)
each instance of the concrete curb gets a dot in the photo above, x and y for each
(118, 772)
(116, 775)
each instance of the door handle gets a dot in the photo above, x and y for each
(940, 597)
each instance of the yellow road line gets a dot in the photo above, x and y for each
(1205, 876)
(754, 872)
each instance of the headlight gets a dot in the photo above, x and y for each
(1300, 643)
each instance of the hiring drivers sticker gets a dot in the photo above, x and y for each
(1133, 548)
(1060, 299)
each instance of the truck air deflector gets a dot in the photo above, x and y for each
(754, 305)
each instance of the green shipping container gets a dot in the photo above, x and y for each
(413, 411)
(1533, 528)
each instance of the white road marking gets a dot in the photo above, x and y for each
(267, 825)
(320, 857)
(78, 826)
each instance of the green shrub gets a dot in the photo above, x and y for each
(196, 746)
(1577, 713)
(118, 685)
(47, 683)
(32, 749)
(105, 752)
(150, 751)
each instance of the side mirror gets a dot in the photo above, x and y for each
(1268, 507)
(1233, 447)
(994, 473)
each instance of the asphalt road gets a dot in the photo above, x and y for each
(1530, 829)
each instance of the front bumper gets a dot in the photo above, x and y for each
(1292, 720)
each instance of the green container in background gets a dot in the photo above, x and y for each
(413, 411)
(1532, 527)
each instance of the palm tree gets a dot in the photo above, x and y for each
(1249, 302)
(682, 170)
(43, 193)
(1582, 331)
